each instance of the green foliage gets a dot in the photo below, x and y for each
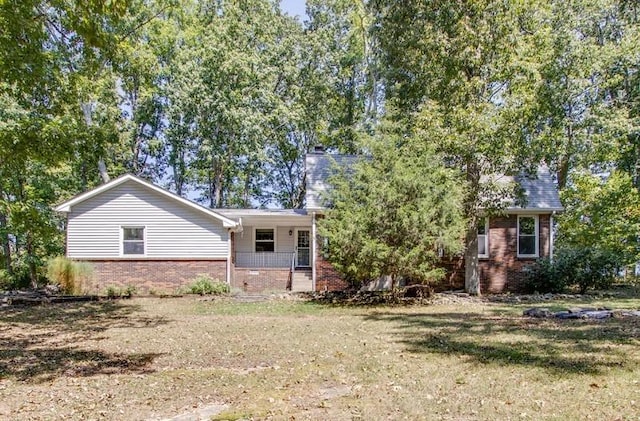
(394, 213)
(5, 280)
(113, 292)
(544, 276)
(205, 285)
(129, 291)
(72, 277)
(465, 73)
(118, 292)
(572, 267)
(602, 215)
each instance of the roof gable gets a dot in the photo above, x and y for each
(66, 206)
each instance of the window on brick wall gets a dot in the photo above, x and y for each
(133, 240)
(528, 236)
(483, 238)
(265, 240)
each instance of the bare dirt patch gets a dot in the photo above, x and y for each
(164, 358)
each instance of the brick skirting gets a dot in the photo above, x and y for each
(152, 276)
(257, 280)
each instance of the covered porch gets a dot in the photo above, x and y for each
(273, 250)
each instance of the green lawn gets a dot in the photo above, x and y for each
(157, 358)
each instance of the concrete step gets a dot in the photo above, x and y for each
(302, 281)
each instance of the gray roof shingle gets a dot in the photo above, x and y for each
(541, 193)
(320, 167)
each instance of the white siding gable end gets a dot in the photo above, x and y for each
(172, 229)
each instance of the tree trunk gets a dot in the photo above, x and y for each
(471, 272)
(563, 172)
(102, 168)
(33, 274)
(6, 246)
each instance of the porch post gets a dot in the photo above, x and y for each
(229, 248)
(313, 247)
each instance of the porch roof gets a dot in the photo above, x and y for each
(268, 217)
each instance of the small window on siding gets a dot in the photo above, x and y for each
(265, 240)
(483, 238)
(132, 240)
(527, 236)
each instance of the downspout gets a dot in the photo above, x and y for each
(551, 230)
(313, 254)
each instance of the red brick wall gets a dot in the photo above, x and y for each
(327, 277)
(454, 279)
(255, 280)
(152, 276)
(503, 270)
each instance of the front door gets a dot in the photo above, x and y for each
(303, 249)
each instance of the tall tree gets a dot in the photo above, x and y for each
(41, 45)
(464, 70)
(394, 212)
(602, 214)
(582, 109)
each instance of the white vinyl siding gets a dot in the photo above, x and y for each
(172, 230)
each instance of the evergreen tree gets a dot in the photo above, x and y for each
(394, 212)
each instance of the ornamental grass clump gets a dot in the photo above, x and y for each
(72, 277)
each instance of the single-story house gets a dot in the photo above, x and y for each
(135, 233)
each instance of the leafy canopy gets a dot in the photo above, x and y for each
(603, 215)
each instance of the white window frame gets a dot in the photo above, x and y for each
(536, 235)
(275, 239)
(144, 240)
(486, 240)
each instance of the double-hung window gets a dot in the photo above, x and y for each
(483, 238)
(528, 236)
(265, 240)
(133, 240)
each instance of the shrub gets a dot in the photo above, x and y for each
(113, 292)
(205, 285)
(543, 277)
(5, 280)
(19, 278)
(596, 270)
(116, 292)
(72, 277)
(129, 291)
(581, 268)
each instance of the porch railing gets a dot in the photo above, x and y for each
(264, 259)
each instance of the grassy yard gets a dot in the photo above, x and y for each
(158, 358)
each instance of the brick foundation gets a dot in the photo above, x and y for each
(257, 280)
(152, 276)
(327, 277)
